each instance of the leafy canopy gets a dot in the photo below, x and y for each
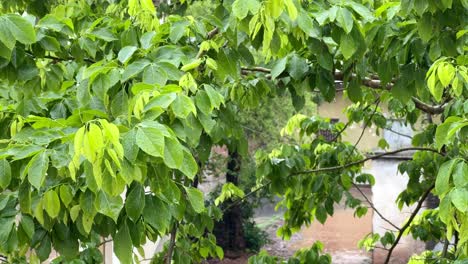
(110, 109)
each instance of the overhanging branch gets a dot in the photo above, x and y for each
(368, 82)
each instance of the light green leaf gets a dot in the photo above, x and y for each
(445, 72)
(292, 10)
(151, 141)
(183, 106)
(135, 202)
(345, 19)
(347, 46)
(37, 169)
(460, 199)
(108, 205)
(203, 102)
(192, 65)
(5, 173)
(196, 199)
(51, 203)
(442, 184)
(123, 247)
(126, 53)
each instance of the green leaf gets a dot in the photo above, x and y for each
(151, 141)
(37, 169)
(425, 28)
(173, 153)
(459, 198)
(216, 98)
(354, 90)
(161, 100)
(135, 202)
(5, 173)
(183, 106)
(123, 247)
(442, 132)
(157, 213)
(108, 205)
(196, 199)
(51, 203)
(154, 74)
(189, 165)
(20, 28)
(178, 30)
(278, 68)
(134, 69)
(362, 10)
(66, 194)
(460, 175)
(347, 46)
(345, 19)
(126, 53)
(442, 184)
(306, 24)
(297, 67)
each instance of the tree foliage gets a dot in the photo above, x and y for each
(110, 109)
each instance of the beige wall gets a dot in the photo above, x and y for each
(335, 109)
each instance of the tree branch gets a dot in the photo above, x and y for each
(408, 223)
(328, 169)
(170, 250)
(371, 83)
(375, 209)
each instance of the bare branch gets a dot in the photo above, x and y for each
(408, 223)
(374, 208)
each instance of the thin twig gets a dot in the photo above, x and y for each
(398, 133)
(373, 207)
(104, 242)
(408, 223)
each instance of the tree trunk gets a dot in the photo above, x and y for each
(229, 231)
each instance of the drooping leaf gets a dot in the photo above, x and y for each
(5, 173)
(151, 141)
(51, 203)
(108, 205)
(37, 169)
(123, 247)
(443, 177)
(135, 202)
(195, 197)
